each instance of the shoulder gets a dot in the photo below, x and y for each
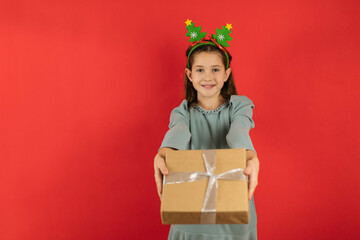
(183, 107)
(241, 106)
(181, 112)
(238, 101)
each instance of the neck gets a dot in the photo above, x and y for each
(210, 103)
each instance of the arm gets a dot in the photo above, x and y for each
(240, 123)
(176, 138)
(252, 170)
(238, 137)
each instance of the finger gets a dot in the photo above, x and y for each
(163, 167)
(159, 187)
(160, 169)
(252, 183)
(159, 163)
(158, 180)
(158, 175)
(251, 192)
(248, 170)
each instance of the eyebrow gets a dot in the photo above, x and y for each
(211, 66)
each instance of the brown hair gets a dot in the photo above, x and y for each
(229, 87)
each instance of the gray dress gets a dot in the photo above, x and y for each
(227, 126)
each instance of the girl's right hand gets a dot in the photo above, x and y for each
(160, 170)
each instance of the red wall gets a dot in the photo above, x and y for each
(87, 87)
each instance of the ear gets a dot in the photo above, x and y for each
(227, 74)
(188, 74)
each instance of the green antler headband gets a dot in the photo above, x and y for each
(220, 39)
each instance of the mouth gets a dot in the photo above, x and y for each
(208, 86)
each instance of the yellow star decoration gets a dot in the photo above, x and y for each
(188, 22)
(228, 26)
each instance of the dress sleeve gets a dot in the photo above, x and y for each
(178, 136)
(241, 110)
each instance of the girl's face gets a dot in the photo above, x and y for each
(208, 74)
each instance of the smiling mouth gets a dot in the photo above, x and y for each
(208, 86)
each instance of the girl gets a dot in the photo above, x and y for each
(212, 116)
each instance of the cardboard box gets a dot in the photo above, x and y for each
(183, 202)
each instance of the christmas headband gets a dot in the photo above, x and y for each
(219, 39)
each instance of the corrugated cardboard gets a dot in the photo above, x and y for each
(182, 202)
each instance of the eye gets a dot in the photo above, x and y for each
(216, 69)
(199, 70)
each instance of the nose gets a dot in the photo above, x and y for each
(208, 75)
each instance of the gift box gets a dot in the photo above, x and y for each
(205, 187)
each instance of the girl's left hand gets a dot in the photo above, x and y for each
(252, 170)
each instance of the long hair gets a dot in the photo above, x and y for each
(229, 87)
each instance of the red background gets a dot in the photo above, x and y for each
(86, 92)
